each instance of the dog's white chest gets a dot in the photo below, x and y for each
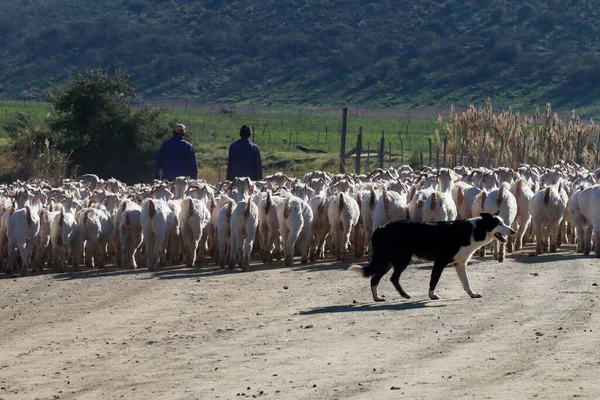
(464, 253)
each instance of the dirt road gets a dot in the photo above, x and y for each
(306, 332)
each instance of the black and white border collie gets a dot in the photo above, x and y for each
(454, 242)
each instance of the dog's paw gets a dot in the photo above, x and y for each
(433, 296)
(378, 299)
(475, 295)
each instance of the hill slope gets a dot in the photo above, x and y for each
(314, 52)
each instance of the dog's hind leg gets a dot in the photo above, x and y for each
(375, 282)
(400, 263)
(461, 270)
(436, 273)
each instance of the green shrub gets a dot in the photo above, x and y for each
(94, 122)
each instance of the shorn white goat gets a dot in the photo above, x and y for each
(503, 202)
(547, 208)
(295, 222)
(589, 203)
(23, 227)
(244, 224)
(130, 232)
(63, 237)
(157, 219)
(343, 213)
(194, 218)
(269, 227)
(95, 228)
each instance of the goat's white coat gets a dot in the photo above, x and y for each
(343, 213)
(546, 218)
(295, 222)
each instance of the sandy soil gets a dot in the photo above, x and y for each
(306, 332)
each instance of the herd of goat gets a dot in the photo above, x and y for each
(92, 221)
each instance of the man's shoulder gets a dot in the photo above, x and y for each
(184, 143)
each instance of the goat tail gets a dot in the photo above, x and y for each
(459, 196)
(432, 201)
(268, 203)
(547, 195)
(519, 188)
(483, 197)
(372, 198)
(286, 208)
(413, 191)
(321, 206)
(151, 208)
(247, 210)
(28, 214)
(229, 209)
(500, 195)
(61, 220)
(341, 202)
(191, 207)
(127, 219)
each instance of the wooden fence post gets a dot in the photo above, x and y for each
(597, 149)
(401, 151)
(344, 127)
(578, 155)
(462, 150)
(290, 142)
(501, 151)
(390, 157)
(481, 152)
(524, 148)
(549, 138)
(381, 149)
(430, 153)
(421, 160)
(445, 143)
(358, 150)
(368, 156)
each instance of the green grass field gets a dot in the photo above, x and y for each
(278, 132)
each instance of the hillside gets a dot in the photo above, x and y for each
(313, 52)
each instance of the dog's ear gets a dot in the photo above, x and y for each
(486, 215)
(497, 213)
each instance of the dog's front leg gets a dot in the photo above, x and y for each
(461, 270)
(436, 273)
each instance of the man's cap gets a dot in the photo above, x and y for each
(179, 128)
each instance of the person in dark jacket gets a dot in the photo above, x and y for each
(176, 157)
(244, 158)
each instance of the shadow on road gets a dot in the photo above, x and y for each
(384, 306)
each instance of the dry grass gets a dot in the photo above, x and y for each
(478, 137)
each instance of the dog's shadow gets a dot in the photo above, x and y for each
(383, 306)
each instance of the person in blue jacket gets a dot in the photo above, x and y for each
(244, 158)
(176, 157)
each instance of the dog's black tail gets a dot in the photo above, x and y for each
(380, 260)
